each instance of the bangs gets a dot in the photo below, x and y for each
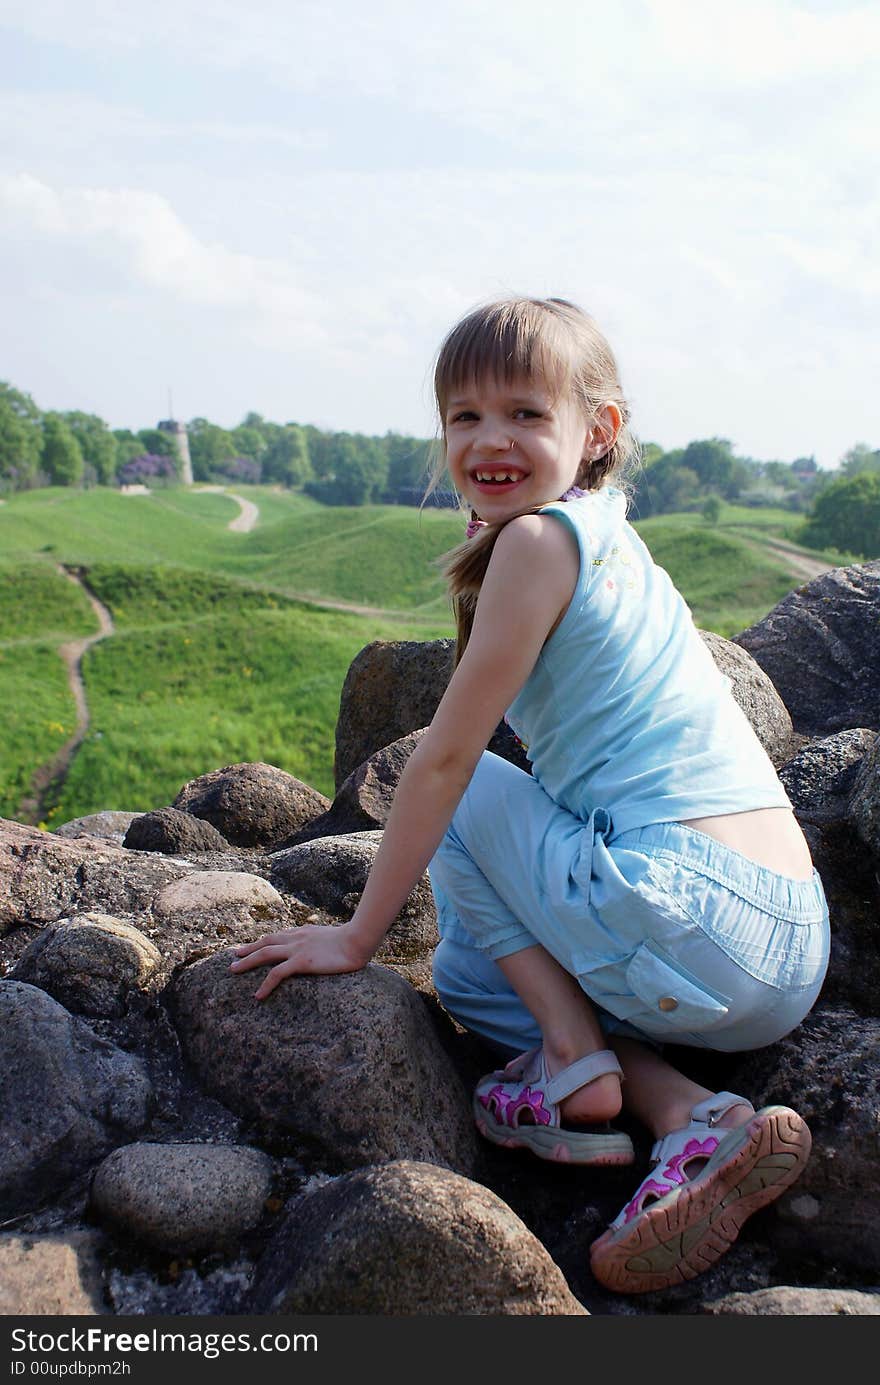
(506, 341)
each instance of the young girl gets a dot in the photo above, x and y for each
(648, 882)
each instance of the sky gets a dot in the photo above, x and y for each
(208, 208)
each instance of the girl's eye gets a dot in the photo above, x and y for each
(527, 413)
(464, 416)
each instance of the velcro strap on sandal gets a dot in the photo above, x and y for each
(713, 1108)
(578, 1074)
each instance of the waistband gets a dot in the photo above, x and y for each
(795, 901)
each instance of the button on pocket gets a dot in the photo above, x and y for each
(674, 996)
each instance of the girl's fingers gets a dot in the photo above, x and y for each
(273, 979)
(258, 957)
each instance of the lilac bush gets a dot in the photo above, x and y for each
(147, 467)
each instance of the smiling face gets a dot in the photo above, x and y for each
(510, 445)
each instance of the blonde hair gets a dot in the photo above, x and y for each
(547, 339)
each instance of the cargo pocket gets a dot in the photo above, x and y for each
(674, 999)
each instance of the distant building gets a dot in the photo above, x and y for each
(181, 445)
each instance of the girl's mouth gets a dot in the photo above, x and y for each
(498, 479)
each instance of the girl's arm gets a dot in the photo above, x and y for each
(528, 585)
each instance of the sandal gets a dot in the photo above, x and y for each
(518, 1106)
(703, 1186)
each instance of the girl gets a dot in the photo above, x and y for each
(648, 881)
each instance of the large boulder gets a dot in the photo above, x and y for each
(207, 909)
(391, 688)
(828, 1069)
(252, 804)
(174, 833)
(349, 1066)
(755, 695)
(89, 964)
(66, 1099)
(819, 647)
(44, 877)
(864, 803)
(364, 801)
(820, 778)
(183, 1198)
(109, 825)
(331, 872)
(403, 1239)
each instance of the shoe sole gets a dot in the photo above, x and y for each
(683, 1233)
(557, 1145)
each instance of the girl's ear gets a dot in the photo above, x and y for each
(603, 431)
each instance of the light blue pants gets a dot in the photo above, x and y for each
(674, 937)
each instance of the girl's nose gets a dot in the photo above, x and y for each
(493, 437)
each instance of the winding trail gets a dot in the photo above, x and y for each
(799, 563)
(49, 777)
(248, 512)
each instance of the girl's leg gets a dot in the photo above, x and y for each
(569, 1029)
(658, 1095)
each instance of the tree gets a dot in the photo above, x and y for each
(286, 459)
(711, 510)
(208, 444)
(62, 458)
(355, 471)
(846, 515)
(21, 438)
(859, 459)
(156, 442)
(97, 444)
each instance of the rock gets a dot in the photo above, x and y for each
(44, 878)
(797, 1302)
(392, 688)
(252, 804)
(864, 804)
(364, 800)
(403, 1239)
(349, 1065)
(174, 833)
(819, 647)
(108, 826)
(208, 908)
(331, 873)
(852, 889)
(59, 1274)
(755, 695)
(183, 1198)
(819, 779)
(89, 964)
(67, 1097)
(828, 1070)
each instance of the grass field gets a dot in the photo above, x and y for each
(221, 650)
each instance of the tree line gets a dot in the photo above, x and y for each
(841, 508)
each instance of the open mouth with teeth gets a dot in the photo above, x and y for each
(497, 479)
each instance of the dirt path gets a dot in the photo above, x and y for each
(248, 512)
(50, 776)
(798, 563)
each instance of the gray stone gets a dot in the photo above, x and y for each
(349, 1065)
(407, 1239)
(52, 1275)
(820, 648)
(331, 873)
(44, 878)
(252, 804)
(785, 1301)
(755, 695)
(108, 825)
(174, 833)
(89, 964)
(852, 889)
(392, 687)
(183, 1198)
(864, 804)
(66, 1099)
(819, 779)
(364, 801)
(826, 1069)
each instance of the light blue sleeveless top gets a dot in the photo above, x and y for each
(625, 708)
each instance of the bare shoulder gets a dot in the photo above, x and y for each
(536, 536)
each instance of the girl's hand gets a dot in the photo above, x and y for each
(310, 949)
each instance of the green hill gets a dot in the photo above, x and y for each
(225, 647)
